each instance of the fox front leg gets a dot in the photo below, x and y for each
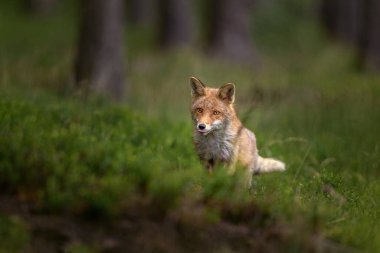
(231, 166)
(210, 165)
(248, 178)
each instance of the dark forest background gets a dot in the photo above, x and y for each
(95, 130)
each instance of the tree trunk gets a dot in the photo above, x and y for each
(41, 7)
(176, 27)
(370, 46)
(142, 12)
(358, 23)
(229, 31)
(343, 19)
(99, 63)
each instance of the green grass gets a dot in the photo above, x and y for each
(13, 234)
(93, 158)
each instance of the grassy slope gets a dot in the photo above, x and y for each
(310, 110)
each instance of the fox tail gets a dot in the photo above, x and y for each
(266, 165)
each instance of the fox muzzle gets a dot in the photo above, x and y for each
(201, 126)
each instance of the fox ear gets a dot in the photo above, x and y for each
(197, 87)
(227, 93)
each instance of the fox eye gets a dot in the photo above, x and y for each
(199, 110)
(216, 112)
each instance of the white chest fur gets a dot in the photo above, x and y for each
(218, 146)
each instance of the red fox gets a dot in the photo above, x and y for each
(220, 137)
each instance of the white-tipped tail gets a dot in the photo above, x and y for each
(266, 165)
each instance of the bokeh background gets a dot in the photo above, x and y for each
(95, 129)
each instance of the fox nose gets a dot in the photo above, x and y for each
(201, 126)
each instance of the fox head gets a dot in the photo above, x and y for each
(212, 108)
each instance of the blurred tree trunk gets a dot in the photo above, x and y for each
(41, 7)
(176, 27)
(356, 22)
(369, 48)
(229, 31)
(141, 12)
(343, 19)
(99, 61)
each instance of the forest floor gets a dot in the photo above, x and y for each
(142, 230)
